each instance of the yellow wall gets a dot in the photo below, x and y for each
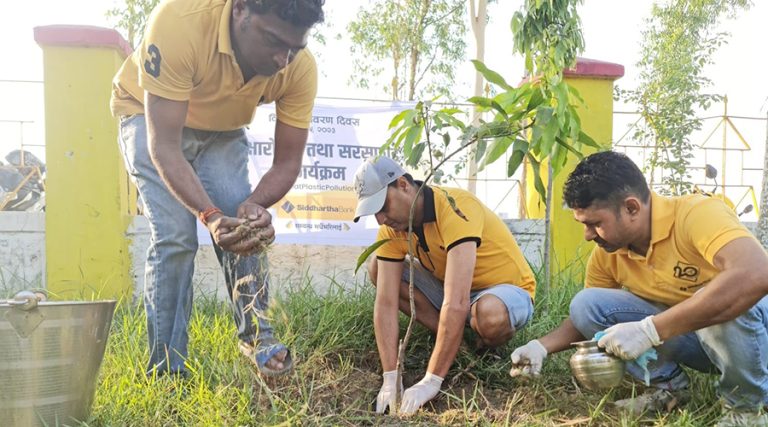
(89, 201)
(569, 251)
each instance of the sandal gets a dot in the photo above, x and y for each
(263, 352)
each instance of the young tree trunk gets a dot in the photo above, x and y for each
(478, 16)
(415, 54)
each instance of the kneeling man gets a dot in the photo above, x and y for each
(680, 274)
(468, 270)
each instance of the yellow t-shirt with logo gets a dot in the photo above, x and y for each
(499, 258)
(686, 233)
(187, 55)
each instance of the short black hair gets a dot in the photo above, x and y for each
(604, 178)
(301, 13)
(407, 177)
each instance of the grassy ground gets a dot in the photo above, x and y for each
(337, 375)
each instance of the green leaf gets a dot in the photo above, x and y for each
(480, 101)
(418, 150)
(487, 103)
(544, 115)
(453, 121)
(411, 138)
(497, 148)
(565, 145)
(587, 140)
(520, 149)
(538, 184)
(398, 118)
(491, 75)
(536, 99)
(480, 149)
(548, 136)
(575, 93)
(367, 252)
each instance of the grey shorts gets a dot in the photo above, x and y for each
(517, 300)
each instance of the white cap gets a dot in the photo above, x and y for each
(371, 181)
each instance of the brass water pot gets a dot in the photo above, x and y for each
(595, 369)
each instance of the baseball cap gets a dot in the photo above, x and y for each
(371, 181)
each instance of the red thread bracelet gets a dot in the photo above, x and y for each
(206, 214)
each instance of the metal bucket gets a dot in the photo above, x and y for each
(50, 353)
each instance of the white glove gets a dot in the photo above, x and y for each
(386, 397)
(420, 393)
(630, 340)
(527, 360)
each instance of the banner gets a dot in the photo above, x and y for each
(320, 206)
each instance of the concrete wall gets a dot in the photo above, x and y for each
(292, 264)
(22, 250)
(22, 255)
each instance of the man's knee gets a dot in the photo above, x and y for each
(584, 308)
(490, 318)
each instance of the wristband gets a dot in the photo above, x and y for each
(206, 214)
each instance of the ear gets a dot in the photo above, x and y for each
(402, 183)
(632, 206)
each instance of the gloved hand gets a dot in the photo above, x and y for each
(527, 360)
(386, 397)
(631, 339)
(420, 393)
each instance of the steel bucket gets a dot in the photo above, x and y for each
(50, 353)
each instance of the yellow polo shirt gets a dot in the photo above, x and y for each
(187, 55)
(499, 259)
(686, 233)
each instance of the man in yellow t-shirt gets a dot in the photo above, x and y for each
(468, 270)
(183, 99)
(681, 274)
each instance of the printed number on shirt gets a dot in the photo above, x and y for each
(152, 65)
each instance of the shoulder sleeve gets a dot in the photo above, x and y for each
(393, 250)
(294, 107)
(166, 55)
(461, 224)
(598, 272)
(708, 225)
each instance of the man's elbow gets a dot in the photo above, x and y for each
(458, 308)
(290, 169)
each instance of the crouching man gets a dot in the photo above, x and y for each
(680, 274)
(468, 270)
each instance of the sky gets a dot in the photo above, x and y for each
(612, 32)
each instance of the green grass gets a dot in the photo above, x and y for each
(337, 374)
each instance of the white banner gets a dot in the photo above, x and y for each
(320, 207)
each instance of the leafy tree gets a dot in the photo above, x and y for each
(548, 33)
(412, 45)
(130, 17)
(679, 41)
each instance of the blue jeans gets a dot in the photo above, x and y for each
(737, 349)
(220, 160)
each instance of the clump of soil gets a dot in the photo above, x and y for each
(262, 239)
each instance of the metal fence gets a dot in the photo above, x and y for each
(733, 144)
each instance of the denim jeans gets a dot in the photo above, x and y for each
(737, 349)
(220, 160)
